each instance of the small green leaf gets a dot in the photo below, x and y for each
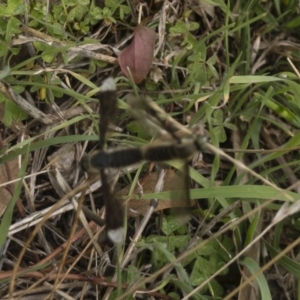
(107, 14)
(218, 262)
(125, 9)
(14, 51)
(170, 224)
(189, 41)
(71, 15)
(3, 48)
(179, 28)
(40, 46)
(161, 247)
(135, 127)
(216, 289)
(85, 3)
(13, 8)
(193, 26)
(230, 126)
(202, 269)
(72, 3)
(132, 272)
(80, 12)
(96, 13)
(218, 117)
(112, 5)
(4, 72)
(2, 97)
(48, 58)
(84, 28)
(36, 79)
(151, 85)
(178, 242)
(208, 248)
(13, 25)
(220, 134)
(13, 113)
(19, 88)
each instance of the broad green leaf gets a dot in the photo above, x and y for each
(291, 265)
(247, 192)
(265, 293)
(250, 79)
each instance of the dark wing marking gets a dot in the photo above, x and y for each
(108, 108)
(114, 209)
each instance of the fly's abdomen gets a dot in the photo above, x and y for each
(168, 152)
(111, 159)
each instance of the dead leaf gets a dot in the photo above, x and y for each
(171, 182)
(156, 74)
(64, 160)
(5, 193)
(138, 56)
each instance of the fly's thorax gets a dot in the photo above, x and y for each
(111, 158)
(87, 165)
(196, 142)
(200, 142)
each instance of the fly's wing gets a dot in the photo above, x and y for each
(107, 112)
(114, 208)
(182, 214)
(114, 211)
(162, 118)
(148, 109)
(108, 108)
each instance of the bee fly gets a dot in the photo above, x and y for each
(158, 151)
(114, 209)
(155, 152)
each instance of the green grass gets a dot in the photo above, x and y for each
(231, 66)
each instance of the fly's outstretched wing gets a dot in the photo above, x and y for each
(114, 209)
(108, 108)
(100, 160)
